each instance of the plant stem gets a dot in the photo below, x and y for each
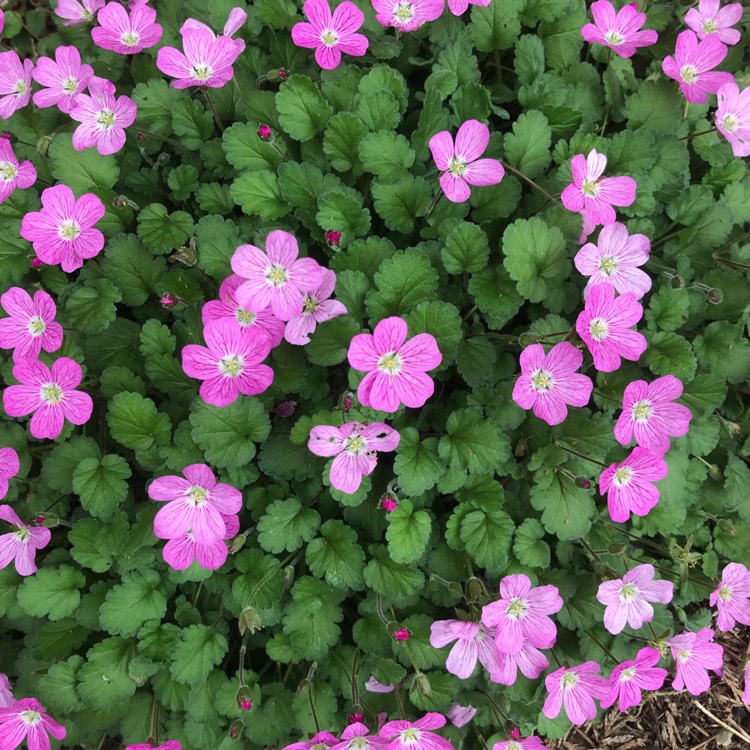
(580, 455)
(210, 102)
(530, 181)
(602, 646)
(695, 135)
(148, 133)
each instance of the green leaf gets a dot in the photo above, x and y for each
(341, 210)
(136, 423)
(161, 231)
(529, 546)
(214, 198)
(246, 150)
(337, 556)
(389, 578)
(216, 241)
(487, 535)
(527, 148)
(567, 510)
(156, 339)
(60, 463)
(155, 100)
(400, 203)
(303, 112)
(286, 526)
(472, 443)
(669, 353)
(495, 295)
(259, 193)
(417, 464)
(408, 533)
(52, 592)
(104, 680)
(529, 58)
(443, 321)
(132, 269)
(495, 27)
(192, 123)
(590, 434)
(96, 544)
(656, 105)
(102, 484)
(379, 110)
(132, 603)
(200, 649)
(81, 170)
(57, 688)
(466, 249)
(183, 181)
(402, 282)
(386, 155)
(475, 361)
(704, 394)
(310, 619)
(92, 308)
(341, 141)
(724, 351)
(668, 309)
(330, 342)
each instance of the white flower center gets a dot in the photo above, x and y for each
(8, 171)
(231, 366)
(642, 411)
(277, 275)
(70, 86)
(516, 608)
(403, 12)
(622, 476)
(725, 593)
(30, 717)
(201, 72)
(130, 38)
(310, 305)
(86, 14)
(689, 73)
(729, 123)
(197, 495)
(682, 656)
(36, 326)
(410, 736)
(568, 680)
(106, 119)
(69, 230)
(542, 381)
(614, 38)
(244, 317)
(627, 674)
(21, 88)
(598, 329)
(390, 363)
(457, 167)
(608, 265)
(590, 188)
(709, 26)
(359, 743)
(513, 745)
(329, 37)
(628, 592)
(355, 444)
(51, 393)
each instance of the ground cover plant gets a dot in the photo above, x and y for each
(346, 346)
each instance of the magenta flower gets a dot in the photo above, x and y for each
(516, 742)
(63, 231)
(733, 117)
(407, 15)
(396, 369)
(575, 688)
(732, 597)
(357, 737)
(615, 260)
(649, 416)
(12, 173)
(629, 678)
(230, 364)
(605, 325)
(373, 686)
(694, 655)
(30, 326)
(522, 612)
(50, 394)
(531, 661)
(593, 194)
(474, 643)
(548, 382)
(15, 83)
(629, 485)
(693, 63)
(709, 19)
(64, 79)
(355, 446)
(316, 308)
(408, 735)
(277, 277)
(460, 163)
(6, 694)
(320, 741)
(27, 720)
(235, 21)
(459, 7)
(9, 466)
(627, 599)
(168, 745)
(330, 35)
(126, 33)
(618, 30)
(180, 552)
(78, 11)
(228, 308)
(21, 545)
(459, 715)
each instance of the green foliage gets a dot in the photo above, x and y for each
(101, 484)
(303, 111)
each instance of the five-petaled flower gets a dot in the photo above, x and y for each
(407, 15)
(9, 467)
(64, 79)
(575, 688)
(516, 742)
(316, 308)
(30, 325)
(474, 642)
(22, 544)
(417, 735)
(732, 597)
(357, 737)
(78, 11)
(711, 19)
(629, 678)
(733, 117)
(621, 30)
(321, 741)
(694, 655)
(126, 33)
(26, 720)
(181, 551)
(530, 660)
(15, 83)
(13, 174)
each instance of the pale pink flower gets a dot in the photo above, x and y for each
(615, 260)
(575, 688)
(516, 742)
(50, 394)
(649, 416)
(26, 720)
(180, 552)
(396, 369)
(694, 655)
(733, 117)
(531, 661)
(732, 597)
(15, 83)
(693, 63)
(627, 599)
(277, 277)
(605, 325)
(331, 34)
(459, 715)
(355, 447)
(9, 466)
(416, 735)
(195, 502)
(629, 485)
(78, 11)
(710, 19)
(6, 694)
(320, 741)
(30, 326)
(522, 612)
(474, 643)
(357, 737)
(629, 678)
(460, 162)
(13, 174)
(65, 78)
(235, 21)
(126, 33)
(373, 686)
(407, 15)
(168, 745)
(459, 7)
(230, 364)
(63, 231)
(618, 30)
(549, 382)
(594, 194)
(316, 308)
(21, 545)
(228, 307)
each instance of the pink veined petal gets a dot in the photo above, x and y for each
(21, 400)
(413, 389)
(66, 373)
(174, 519)
(381, 437)
(376, 390)
(421, 353)
(172, 62)
(47, 422)
(596, 163)
(9, 547)
(604, 14)
(306, 273)
(458, 7)
(456, 188)
(618, 191)
(212, 556)
(389, 335)
(354, 44)
(208, 525)
(219, 390)
(430, 720)
(254, 380)
(179, 553)
(592, 33)
(484, 172)
(226, 499)
(286, 301)
(255, 294)
(579, 169)
(18, 304)
(346, 474)
(327, 310)
(318, 13)
(363, 354)
(472, 140)
(281, 246)
(325, 440)
(77, 407)
(347, 18)
(168, 488)
(199, 362)
(462, 659)
(305, 35)
(298, 330)
(441, 146)
(200, 475)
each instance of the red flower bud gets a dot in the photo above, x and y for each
(389, 503)
(244, 698)
(285, 409)
(265, 132)
(402, 634)
(236, 729)
(140, 136)
(347, 403)
(515, 734)
(282, 74)
(333, 238)
(356, 718)
(36, 263)
(169, 300)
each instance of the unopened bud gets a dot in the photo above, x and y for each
(421, 685)
(36, 263)
(140, 136)
(42, 145)
(616, 549)
(515, 734)
(677, 282)
(526, 339)
(289, 575)
(237, 543)
(50, 521)
(265, 132)
(715, 473)
(244, 698)
(356, 718)
(117, 202)
(402, 634)
(285, 409)
(389, 503)
(475, 590)
(715, 296)
(727, 527)
(333, 238)
(282, 73)
(249, 621)
(236, 729)
(347, 403)
(169, 300)
(583, 483)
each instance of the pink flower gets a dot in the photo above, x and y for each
(460, 163)
(26, 720)
(407, 15)
(593, 194)
(627, 599)
(516, 742)
(373, 686)
(103, 118)
(709, 19)
(354, 446)
(629, 485)
(276, 277)
(473, 643)
(407, 735)
(396, 369)
(575, 688)
(733, 117)
(459, 716)
(235, 21)
(531, 661)
(548, 382)
(320, 741)
(196, 503)
(649, 416)
(63, 231)
(605, 325)
(230, 364)
(30, 326)
(615, 260)
(522, 613)
(629, 678)
(180, 552)
(168, 745)
(15, 83)
(126, 33)
(356, 737)
(228, 308)
(732, 597)
(6, 694)
(316, 308)
(64, 79)
(402, 634)
(459, 7)
(78, 11)
(21, 545)
(12, 173)
(694, 655)
(330, 35)
(618, 30)
(693, 63)
(9, 466)
(50, 394)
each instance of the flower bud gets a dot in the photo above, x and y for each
(237, 543)
(249, 621)
(265, 132)
(583, 483)
(49, 521)
(285, 409)
(42, 145)
(715, 296)
(36, 263)
(475, 590)
(616, 549)
(140, 136)
(244, 698)
(289, 575)
(515, 734)
(356, 718)
(236, 729)
(389, 503)
(526, 339)
(282, 73)
(421, 685)
(347, 403)
(402, 634)
(677, 282)
(333, 238)
(169, 300)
